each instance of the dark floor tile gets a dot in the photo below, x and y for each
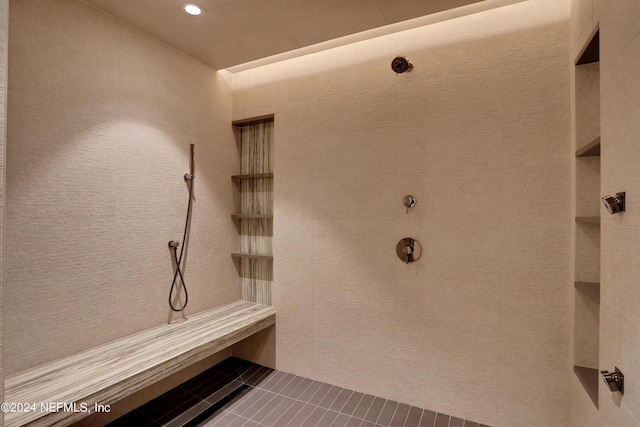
(330, 397)
(133, 418)
(271, 380)
(257, 377)
(169, 405)
(341, 400)
(301, 416)
(284, 381)
(352, 403)
(353, 422)
(340, 421)
(400, 416)
(219, 419)
(386, 415)
(251, 371)
(320, 394)
(242, 366)
(235, 422)
(363, 406)
(277, 412)
(188, 416)
(292, 386)
(268, 408)
(278, 399)
(310, 391)
(301, 388)
(213, 396)
(442, 420)
(414, 417)
(375, 409)
(206, 383)
(248, 407)
(327, 418)
(428, 419)
(250, 399)
(286, 416)
(314, 417)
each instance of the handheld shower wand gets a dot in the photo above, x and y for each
(173, 245)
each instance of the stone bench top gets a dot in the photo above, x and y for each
(107, 373)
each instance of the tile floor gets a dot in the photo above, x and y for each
(237, 393)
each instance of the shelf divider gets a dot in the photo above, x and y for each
(252, 176)
(251, 255)
(251, 216)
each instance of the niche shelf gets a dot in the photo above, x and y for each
(586, 231)
(239, 178)
(251, 216)
(251, 255)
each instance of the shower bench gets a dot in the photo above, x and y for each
(107, 373)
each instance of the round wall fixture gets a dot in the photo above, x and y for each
(408, 250)
(400, 65)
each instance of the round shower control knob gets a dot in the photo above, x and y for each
(408, 250)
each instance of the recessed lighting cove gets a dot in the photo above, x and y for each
(192, 9)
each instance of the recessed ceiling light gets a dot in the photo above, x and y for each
(192, 9)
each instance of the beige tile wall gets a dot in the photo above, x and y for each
(619, 268)
(479, 132)
(100, 119)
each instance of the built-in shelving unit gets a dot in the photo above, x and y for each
(254, 217)
(586, 275)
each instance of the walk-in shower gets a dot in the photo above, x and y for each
(178, 282)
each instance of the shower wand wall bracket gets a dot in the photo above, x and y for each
(614, 204)
(614, 380)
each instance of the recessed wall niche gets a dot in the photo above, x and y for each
(254, 203)
(587, 218)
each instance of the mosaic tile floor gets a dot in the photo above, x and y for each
(237, 393)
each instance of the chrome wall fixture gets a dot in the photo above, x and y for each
(409, 201)
(614, 380)
(614, 204)
(401, 65)
(408, 250)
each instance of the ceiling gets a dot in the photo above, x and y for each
(233, 32)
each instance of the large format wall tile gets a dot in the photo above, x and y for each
(100, 121)
(479, 132)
